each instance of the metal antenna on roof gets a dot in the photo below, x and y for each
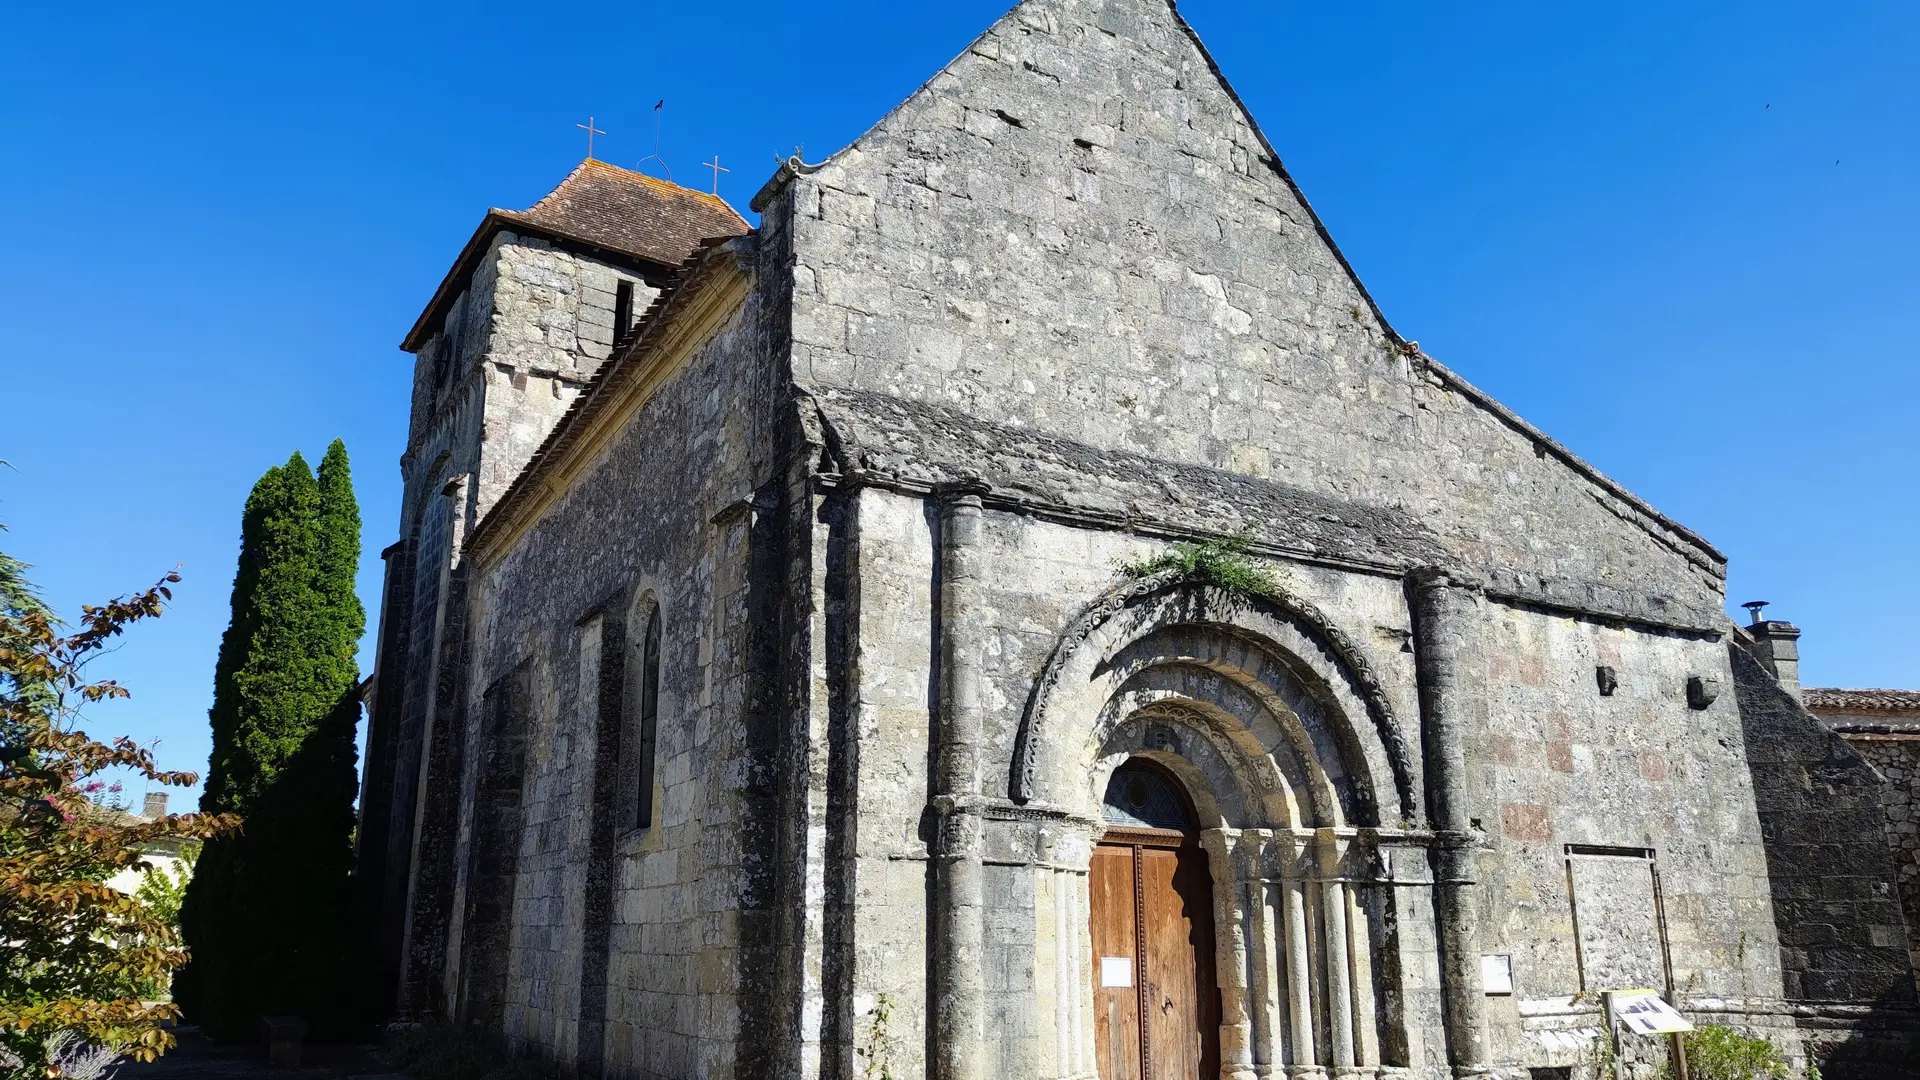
(591, 132)
(640, 166)
(717, 170)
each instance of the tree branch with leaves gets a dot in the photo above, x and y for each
(78, 953)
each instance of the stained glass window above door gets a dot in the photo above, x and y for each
(1141, 795)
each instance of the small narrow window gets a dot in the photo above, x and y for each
(648, 722)
(622, 310)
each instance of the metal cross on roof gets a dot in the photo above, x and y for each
(591, 132)
(717, 170)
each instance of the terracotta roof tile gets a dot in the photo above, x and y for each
(631, 212)
(601, 206)
(1820, 698)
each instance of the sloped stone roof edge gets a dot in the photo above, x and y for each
(1645, 516)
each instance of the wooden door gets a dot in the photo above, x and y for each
(1156, 1004)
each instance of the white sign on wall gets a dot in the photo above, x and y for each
(1116, 971)
(1496, 974)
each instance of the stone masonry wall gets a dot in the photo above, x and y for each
(1558, 764)
(532, 326)
(640, 527)
(1841, 931)
(1075, 229)
(1039, 575)
(1618, 767)
(1898, 759)
(1835, 894)
(552, 328)
(529, 329)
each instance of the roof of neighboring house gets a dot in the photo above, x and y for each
(601, 206)
(1865, 712)
(1837, 700)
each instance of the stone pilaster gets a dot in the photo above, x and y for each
(958, 1006)
(1446, 614)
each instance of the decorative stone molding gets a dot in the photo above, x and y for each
(1284, 605)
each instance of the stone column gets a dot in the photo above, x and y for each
(1227, 857)
(959, 1006)
(1446, 614)
(1301, 1054)
(1366, 1035)
(1068, 853)
(430, 978)
(1333, 916)
(1070, 976)
(1265, 948)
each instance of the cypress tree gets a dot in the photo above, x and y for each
(269, 913)
(339, 566)
(207, 910)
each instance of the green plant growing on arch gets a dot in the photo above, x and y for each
(1222, 562)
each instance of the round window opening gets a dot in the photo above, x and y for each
(1140, 795)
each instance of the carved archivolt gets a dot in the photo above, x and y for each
(1184, 602)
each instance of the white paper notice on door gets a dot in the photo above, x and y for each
(1116, 971)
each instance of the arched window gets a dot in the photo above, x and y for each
(646, 722)
(1142, 796)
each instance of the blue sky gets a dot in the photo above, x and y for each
(1679, 237)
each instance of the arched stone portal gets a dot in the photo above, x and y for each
(1300, 793)
(1156, 1000)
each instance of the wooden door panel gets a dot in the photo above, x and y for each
(1153, 906)
(1173, 1027)
(1193, 885)
(1116, 1010)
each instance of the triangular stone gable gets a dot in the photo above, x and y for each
(1075, 227)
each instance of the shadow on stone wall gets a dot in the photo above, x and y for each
(1836, 905)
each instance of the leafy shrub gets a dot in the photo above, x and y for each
(1221, 562)
(162, 890)
(1721, 1053)
(81, 958)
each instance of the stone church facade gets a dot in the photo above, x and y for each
(781, 673)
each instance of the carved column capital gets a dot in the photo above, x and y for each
(1327, 850)
(1429, 578)
(963, 491)
(1250, 852)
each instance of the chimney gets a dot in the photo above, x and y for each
(156, 805)
(1777, 645)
